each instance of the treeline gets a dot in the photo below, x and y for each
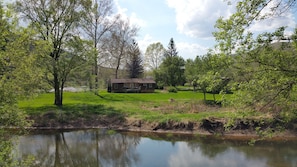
(51, 44)
(72, 40)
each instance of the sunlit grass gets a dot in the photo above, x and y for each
(159, 106)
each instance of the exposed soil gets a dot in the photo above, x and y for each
(211, 126)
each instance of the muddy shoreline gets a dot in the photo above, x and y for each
(242, 129)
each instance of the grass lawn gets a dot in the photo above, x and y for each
(154, 107)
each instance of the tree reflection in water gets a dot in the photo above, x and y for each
(274, 154)
(82, 148)
(98, 148)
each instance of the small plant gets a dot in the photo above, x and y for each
(252, 142)
(169, 135)
(111, 132)
(172, 89)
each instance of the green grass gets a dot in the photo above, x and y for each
(159, 106)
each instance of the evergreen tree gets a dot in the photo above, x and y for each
(134, 64)
(171, 51)
(171, 72)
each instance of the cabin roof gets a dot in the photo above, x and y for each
(133, 80)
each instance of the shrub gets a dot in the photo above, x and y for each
(172, 89)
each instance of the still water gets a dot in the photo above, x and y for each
(96, 148)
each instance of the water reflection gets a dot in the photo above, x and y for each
(81, 148)
(98, 148)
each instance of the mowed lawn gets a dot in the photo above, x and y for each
(159, 106)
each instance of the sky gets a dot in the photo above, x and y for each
(189, 22)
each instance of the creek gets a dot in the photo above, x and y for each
(104, 148)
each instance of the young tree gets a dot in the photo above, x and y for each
(55, 23)
(96, 23)
(193, 68)
(20, 76)
(265, 74)
(134, 65)
(154, 55)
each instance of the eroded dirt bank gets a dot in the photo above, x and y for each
(210, 126)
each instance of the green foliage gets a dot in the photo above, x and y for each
(96, 23)
(172, 89)
(20, 76)
(269, 76)
(171, 51)
(209, 73)
(54, 24)
(111, 132)
(134, 64)
(154, 55)
(171, 71)
(263, 67)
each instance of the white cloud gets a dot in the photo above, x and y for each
(137, 21)
(119, 9)
(186, 156)
(197, 18)
(133, 18)
(190, 50)
(273, 23)
(185, 49)
(145, 42)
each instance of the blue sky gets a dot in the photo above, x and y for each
(189, 22)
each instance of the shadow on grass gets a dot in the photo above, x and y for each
(212, 103)
(76, 110)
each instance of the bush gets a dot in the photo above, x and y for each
(172, 89)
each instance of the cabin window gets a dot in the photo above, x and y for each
(116, 86)
(126, 85)
(150, 85)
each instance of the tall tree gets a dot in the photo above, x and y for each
(118, 42)
(171, 71)
(134, 64)
(55, 22)
(171, 50)
(154, 55)
(96, 23)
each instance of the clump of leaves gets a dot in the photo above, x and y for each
(172, 89)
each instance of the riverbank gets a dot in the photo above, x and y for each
(242, 129)
(160, 112)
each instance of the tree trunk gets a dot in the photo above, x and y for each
(58, 100)
(116, 73)
(96, 78)
(57, 150)
(204, 95)
(96, 58)
(61, 92)
(117, 68)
